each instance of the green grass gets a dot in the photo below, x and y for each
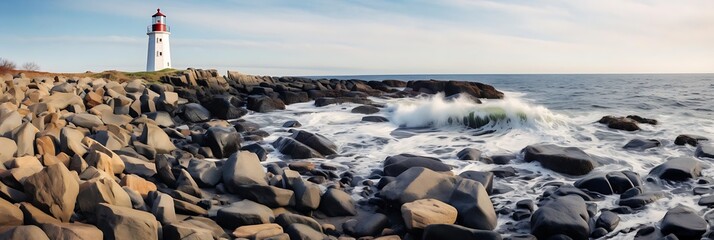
(150, 77)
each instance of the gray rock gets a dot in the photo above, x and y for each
(86, 120)
(222, 141)
(125, 223)
(453, 231)
(337, 203)
(295, 149)
(195, 113)
(565, 215)
(53, 190)
(684, 223)
(567, 160)
(608, 220)
(185, 183)
(704, 151)
(73, 231)
(286, 219)
(298, 231)
(316, 141)
(678, 169)
(243, 168)
(485, 178)
(689, 139)
(641, 144)
(395, 165)
(365, 109)
(469, 154)
(153, 136)
(162, 206)
(204, 172)
(374, 119)
(243, 213)
(307, 195)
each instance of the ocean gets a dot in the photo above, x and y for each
(558, 109)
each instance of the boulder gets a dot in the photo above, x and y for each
(287, 219)
(156, 138)
(86, 120)
(263, 104)
(260, 230)
(137, 201)
(9, 120)
(138, 166)
(469, 154)
(467, 196)
(28, 232)
(424, 212)
(307, 195)
(616, 182)
(53, 190)
(365, 109)
(295, 149)
(244, 212)
(93, 193)
(337, 203)
(565, 215)
(185, 183)
(10, 214)
(678, 169)
(620, 123)
(195, 113)
(374, 119)
(485, 178)
(303, 232)
(162, 206)
(567, 160)
(243, 168)
(24, 136)
(187, 230)
(138, 184)
(163, 169)
(395, 165)
(642, 144)
(684, 223)
(292, 124)
(366, 225)
(35, 216)
(125, 223)
(635, 198)
(270, 196)
(71, 231)
(7, 152)
(689, 139)
(452, 231)
(257, 149)
(161, 118)
(222, 141)
(315, 141)
(704, 151)
(11, 194)
(204, 172)
(226, 107)
(607, 220)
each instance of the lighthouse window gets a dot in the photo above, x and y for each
(161, 53)
(160, 40)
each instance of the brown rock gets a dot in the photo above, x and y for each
(7, 152)
(126, 223)
(28, 232)
(24, 136)
(10, 214)
(153, 136)
(265, 230)
(93, 99)
(72, 231)
(138, 184)
(116, 162)
(103, 190)
(421, 213)
(26, 162)
(53, 190)
(45, 145)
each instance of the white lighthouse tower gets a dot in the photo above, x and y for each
(159, 56)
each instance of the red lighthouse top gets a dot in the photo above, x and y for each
(158, 13)
(159, 22)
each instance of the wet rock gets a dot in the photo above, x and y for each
(257, 149)
(337, 203)
(469, 197)
(565, 215)
(504, 172)
(73, 231)
(307, 195)
(366, 225)
(365, 109)
(689, 139)
(324, 101)
(684, 223)
(485, 178)
(610, 183)
(424, 212)
(125, 223)
(568, 160)
(621, 123)
(608, 221)
(243, 213)
(452, 231)
(263, 104)
(704, 151)
(395, 165)
(642, 144)
(316, 141)
(267, 195)
(53, 190)
(469, 154)
(635, 198)
(195, 113)
(678, 169)
(225, 107)
(474, 89)
(28, 232)
(243, 168)
(374, 119)
(292, 124)
(295, 149)
(642, 120)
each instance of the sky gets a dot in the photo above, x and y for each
(367, 37)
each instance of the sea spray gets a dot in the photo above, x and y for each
(439, 111)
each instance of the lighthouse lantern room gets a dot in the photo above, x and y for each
(159, 55)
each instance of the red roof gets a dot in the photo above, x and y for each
(158, 13)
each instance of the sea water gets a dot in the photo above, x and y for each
(557, 109)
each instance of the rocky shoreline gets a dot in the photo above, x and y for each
(87, 158)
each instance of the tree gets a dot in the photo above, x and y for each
(31, 66)
(6, 65)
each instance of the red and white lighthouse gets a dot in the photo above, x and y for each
(159, 55)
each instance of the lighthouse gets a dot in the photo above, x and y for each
(159, 56)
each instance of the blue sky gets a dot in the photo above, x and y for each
(329, 37)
